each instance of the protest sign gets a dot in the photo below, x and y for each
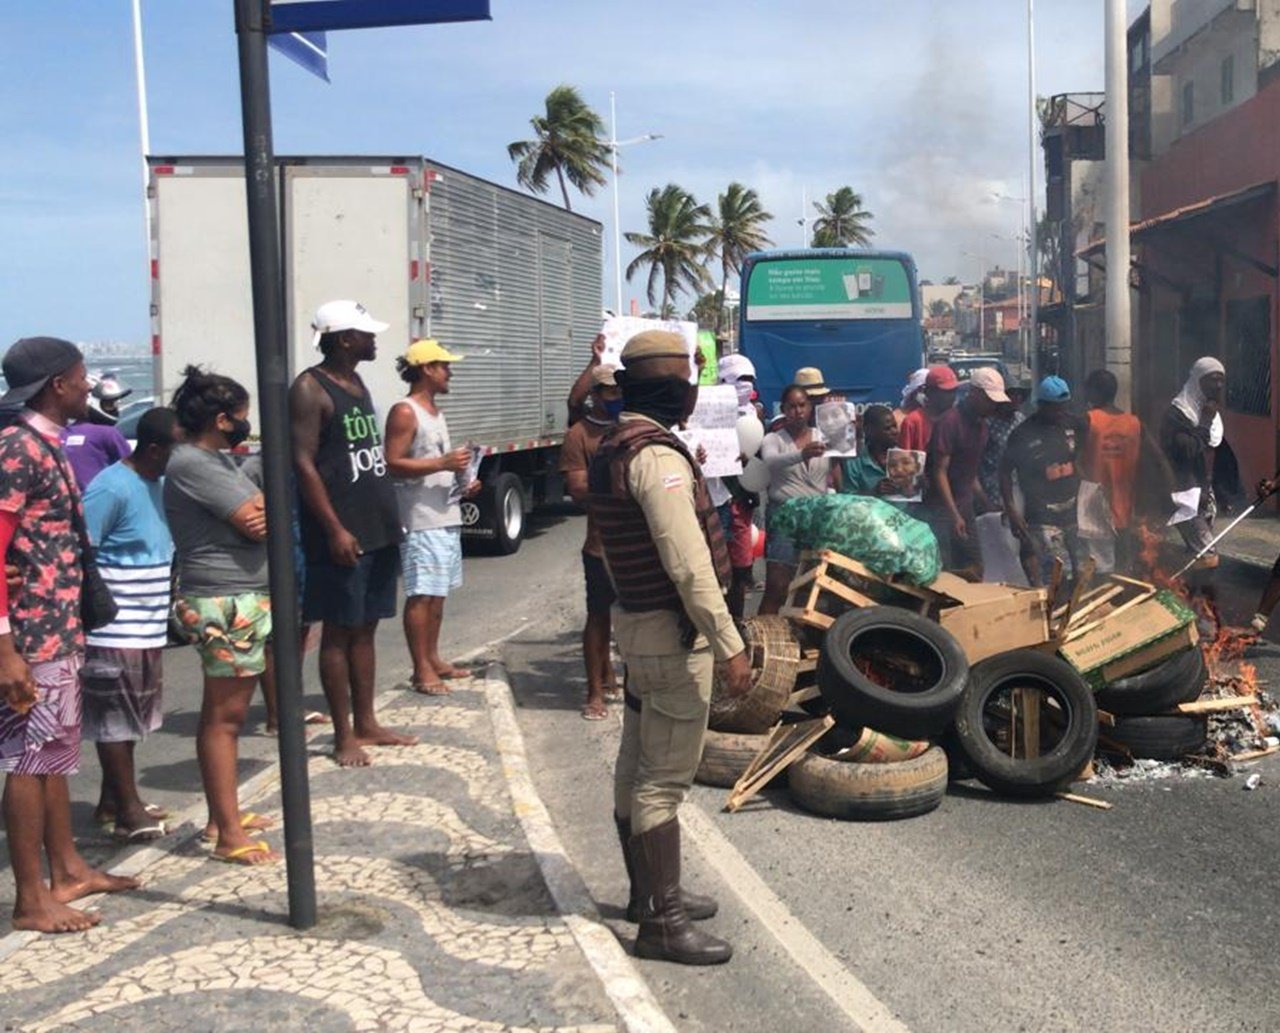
(618, 330)
(714, 426)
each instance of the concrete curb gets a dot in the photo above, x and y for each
(637, 1008)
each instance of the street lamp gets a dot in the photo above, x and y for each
(613, 143)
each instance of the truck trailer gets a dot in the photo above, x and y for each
(507, 280)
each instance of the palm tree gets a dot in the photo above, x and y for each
(736, 231)
(842, 220)
(675, 244)
(568, 142)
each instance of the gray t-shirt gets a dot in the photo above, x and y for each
(201, 491)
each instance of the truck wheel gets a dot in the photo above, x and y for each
(502, 509)
(869, 792)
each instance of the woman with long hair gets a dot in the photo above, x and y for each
(219, 527)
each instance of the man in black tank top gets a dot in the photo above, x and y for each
(349, 522)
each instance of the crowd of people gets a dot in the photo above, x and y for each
(173, 533)
(113, 552)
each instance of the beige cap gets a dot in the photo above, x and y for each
(655, 344)
(813, 382)
(603, 376)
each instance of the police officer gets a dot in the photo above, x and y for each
(666, 554)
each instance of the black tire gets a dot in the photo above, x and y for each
(502, 513)
(1179, 679)
(922, 664)
(1163, 737)
(1069, 723)
(869, 792)
(725, 757)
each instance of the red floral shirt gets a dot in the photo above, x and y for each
(44, 612)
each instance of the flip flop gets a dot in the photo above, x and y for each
(241, 855)
(452, 673)
(314, 717)
(430, 688)
(154, 810)
(613, 697)
(145, 834)
(590, 713)
(254, 824)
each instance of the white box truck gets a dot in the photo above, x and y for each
(510, 281)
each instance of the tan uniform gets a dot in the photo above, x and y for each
(661, 745)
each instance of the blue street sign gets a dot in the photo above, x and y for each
(308, 49)
(318, 15)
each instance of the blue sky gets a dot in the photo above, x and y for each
(920, 105)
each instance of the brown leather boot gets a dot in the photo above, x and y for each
(666, 934)
(697, 906)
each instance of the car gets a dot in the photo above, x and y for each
(963, 366)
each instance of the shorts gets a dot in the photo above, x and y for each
(600, 593)
(46, 739)
(1052, 544)
(432, 561)
(123, 691)
(778, 548)
(351, 597)
(230, 632)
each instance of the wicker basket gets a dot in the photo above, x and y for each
(774, 653)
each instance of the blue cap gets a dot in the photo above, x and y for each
(1053, 389)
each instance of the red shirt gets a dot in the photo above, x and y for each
(915, 430)
(963, 438)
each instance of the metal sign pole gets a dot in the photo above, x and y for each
(273, 409)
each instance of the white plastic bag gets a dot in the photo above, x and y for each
(999, 547)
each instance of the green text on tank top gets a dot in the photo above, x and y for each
(356, 422)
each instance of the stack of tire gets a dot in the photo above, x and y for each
(893, 680)
(1141, 704)
(738, 728)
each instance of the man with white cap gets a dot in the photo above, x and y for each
(956, 444)
(427, 471)
(349, 520)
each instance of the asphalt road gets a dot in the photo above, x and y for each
(985, 915)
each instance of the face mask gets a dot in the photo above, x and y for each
(238, 432)
(612, 407)
(668, 400)
(746, 393)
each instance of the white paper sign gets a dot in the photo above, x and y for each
(618, 330)
(714, 426)
(1188, 503)
(837, 424)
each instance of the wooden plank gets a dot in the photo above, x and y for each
(1213, 706)
(1255, 754)
(1055, 582)
(1082, 583)
(1089, 596)
(786, 744)
(803, 695)
(1106, 719)
(1029, 705)
(859, 570)
(1079, 630)
(1147, 585)
(807, 616)
(1088, 801)
(849, 595)
(1087, 607)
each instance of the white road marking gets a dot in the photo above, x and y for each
(637, 1008)
(845, 990)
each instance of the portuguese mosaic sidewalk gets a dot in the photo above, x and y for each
(434, 914)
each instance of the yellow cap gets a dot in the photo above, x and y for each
(655, 344)
(426, 350)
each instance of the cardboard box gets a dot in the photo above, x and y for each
(1135, 640)
(987, 619)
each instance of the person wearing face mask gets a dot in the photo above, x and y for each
(739, 505)
(218, 521)
(667, 558)
(580, 445)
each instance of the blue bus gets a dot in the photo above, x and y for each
(855, 314)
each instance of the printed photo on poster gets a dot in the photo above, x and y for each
(905, 469)
(837, 424)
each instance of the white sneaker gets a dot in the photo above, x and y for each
(1259, 623)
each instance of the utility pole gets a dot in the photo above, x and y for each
(1119, 329)
(1033, 148)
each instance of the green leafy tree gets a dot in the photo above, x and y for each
(675, 245)
(939, 308)
(842, 221)
(737, 229)
(706, 310)
(568, 141)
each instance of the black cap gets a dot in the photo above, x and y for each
(30, 362)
